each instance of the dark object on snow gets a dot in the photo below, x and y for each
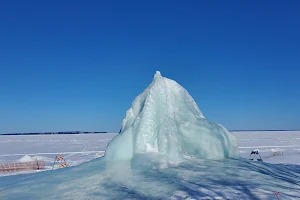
(255, 155)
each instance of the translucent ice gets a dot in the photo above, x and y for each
(166, 119)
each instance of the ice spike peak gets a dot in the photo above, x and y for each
(157, 74)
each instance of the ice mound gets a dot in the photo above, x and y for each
(166, 119)
(26, 158)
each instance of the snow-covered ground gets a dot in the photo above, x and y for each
(76, 149)
(193, 179)
(274, 147)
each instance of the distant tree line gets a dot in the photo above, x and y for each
(53, 133)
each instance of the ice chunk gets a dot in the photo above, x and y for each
(157, 74)
(166, 118)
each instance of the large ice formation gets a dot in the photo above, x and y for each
(166, 119)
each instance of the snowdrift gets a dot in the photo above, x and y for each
(26, 158)
(166, 119)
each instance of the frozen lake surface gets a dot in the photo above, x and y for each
(76, 149)
(274, 146)
(193, 179)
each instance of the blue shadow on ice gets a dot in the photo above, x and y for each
(157, 179)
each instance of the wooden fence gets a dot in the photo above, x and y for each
(23, 166)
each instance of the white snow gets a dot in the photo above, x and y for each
(195, 179)
(76, 149)
(166, 118)
(26, 158)
(278, 147)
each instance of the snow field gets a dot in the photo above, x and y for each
(281, 147)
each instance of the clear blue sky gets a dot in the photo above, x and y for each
(78, 65)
